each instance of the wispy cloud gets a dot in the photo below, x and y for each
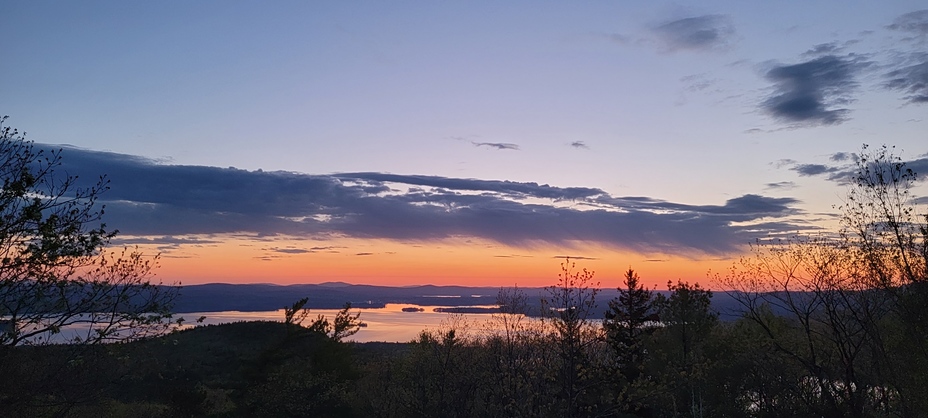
(288, 250)
(706, 32)
(619, 38)
(696, 83)
(165, 240)
(829, 48)
(508, 188)
(908, 69)
(841, 156)
(910, 78)
(575, 257)
(813, 169)
(497, 145)
(579, 145)
(148, 199)
(846, 167)
(914, 23)
(780, 185)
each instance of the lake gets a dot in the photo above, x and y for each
(388, 324)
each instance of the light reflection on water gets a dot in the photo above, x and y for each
(388, 324)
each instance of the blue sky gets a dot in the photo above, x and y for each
(650, 128)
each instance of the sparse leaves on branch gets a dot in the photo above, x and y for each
(343, 325)
(56, 273)
(848, 309)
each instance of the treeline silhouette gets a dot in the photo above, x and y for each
(653, 356)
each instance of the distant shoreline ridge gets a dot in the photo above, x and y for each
(219, 297)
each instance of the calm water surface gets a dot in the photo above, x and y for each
(388, 324)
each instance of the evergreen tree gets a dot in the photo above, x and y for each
(627, 320)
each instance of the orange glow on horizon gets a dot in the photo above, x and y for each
(389, 263)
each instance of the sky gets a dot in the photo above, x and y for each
(469, 143)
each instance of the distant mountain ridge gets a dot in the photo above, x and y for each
(330, 295)
(214, 297)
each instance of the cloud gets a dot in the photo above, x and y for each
(781, 185)
(744, 208)
(147, 199)
(920, 167)
(696, 83)
(165, 245)
(911, 80)
(908, 72)
(785, 162)
(288, 250)
(575, 257)
(846, 171)
(813, 92)
(579, 144)
(510, 188)
(697, 33)
(841, 156)
(619, 38)
(829, 48)
(837, 173)
(497, 145)
(915, 23)
(813, 169)
(165, 241)
(330, 248)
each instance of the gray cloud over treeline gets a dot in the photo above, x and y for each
(151, 199)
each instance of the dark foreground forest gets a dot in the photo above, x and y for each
(653, 356)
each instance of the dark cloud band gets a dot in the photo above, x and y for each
(151, 199)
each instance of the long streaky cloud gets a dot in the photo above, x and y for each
(848, 169)
(148, 199)
(511, 188)
(497, 145)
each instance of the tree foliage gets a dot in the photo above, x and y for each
(343, 325)
(57, 273)
(569, 309)
(687, 322)
(847, 309)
